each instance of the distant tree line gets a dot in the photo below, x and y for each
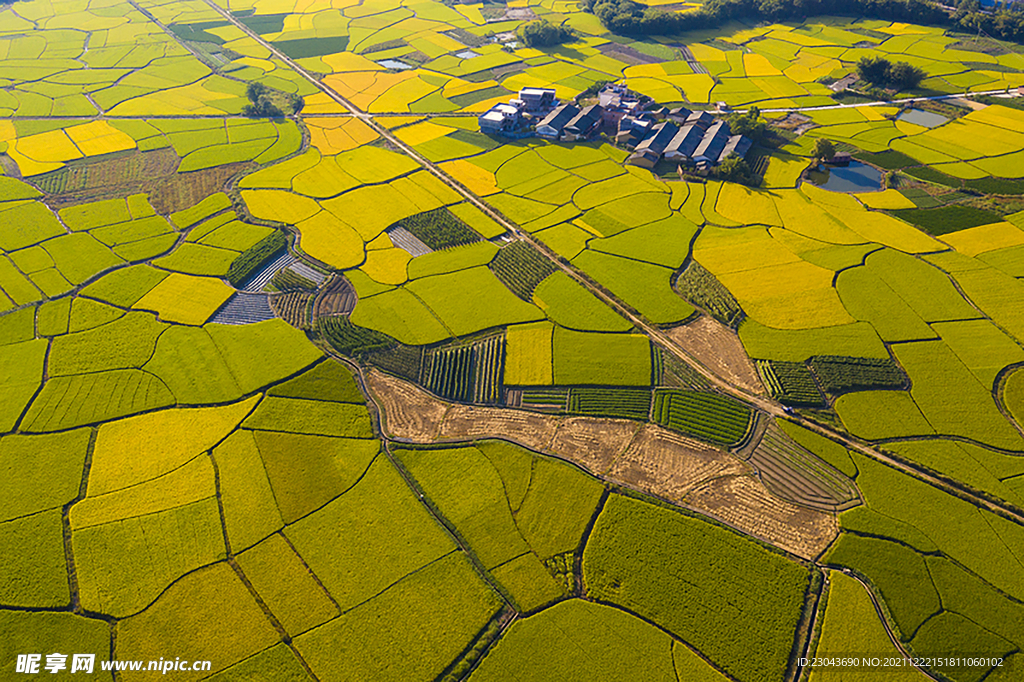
(631, 18)
(1006, 23)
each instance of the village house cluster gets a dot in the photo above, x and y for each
(694, 139)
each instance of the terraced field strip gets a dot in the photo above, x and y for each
(293, 308)
(261, 278)
(797, 475)
(653, 332)
(244, 308)
(337, 298)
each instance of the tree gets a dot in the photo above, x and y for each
(903, 76)
(824, 149)
(254, 90)
(750, 124)
(736, 169)
(298, 103)
(264, 107)
(261, 104)
(874, 70)
(542, 33)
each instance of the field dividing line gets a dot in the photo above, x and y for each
(379, 416)
(769, 406)
(885, 621)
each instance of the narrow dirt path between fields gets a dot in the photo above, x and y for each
(885, 622)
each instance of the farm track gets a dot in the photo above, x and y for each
(885, 621)
(657, 335)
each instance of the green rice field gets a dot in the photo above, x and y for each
(305, 376)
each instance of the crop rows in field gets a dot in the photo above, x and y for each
(839, 373)
(108, 172)
(790, 382)
(293, 308)
(554, 398)
(252, 260)
(626, 403)
(929, 174)
(450, 373)
(521, 268)
(1006, 186)
(798, 475)
(286, 280)
(336, 298)
(404, 361)
(747, 600)
(657, 365)
(703, 289)
(708, 416)
(469, 373)
(439, 229)
(350, 339)
(677, 373)
(947, 219)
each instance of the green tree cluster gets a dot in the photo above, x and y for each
(260, 103)
(1006, 22)
(749, 124)
(736, 169)
(542, 33)
(880, 72)
(824, 149)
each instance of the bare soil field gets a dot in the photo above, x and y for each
(744, 502)
(719, 349)
(465, 422)
(410, 413)
(667, 464)
(593, 443)
(645, 457)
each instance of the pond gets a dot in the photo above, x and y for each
(928, 119)
(394, 64)
(857, 177)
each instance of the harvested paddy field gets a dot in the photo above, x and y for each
(744, 502)
(647, 458)
(717, 348)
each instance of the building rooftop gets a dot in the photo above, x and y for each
(559, 117)
(685, 141)
(713, 142)
(585, 119)
(663, 134)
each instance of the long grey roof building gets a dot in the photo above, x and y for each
(554, 123)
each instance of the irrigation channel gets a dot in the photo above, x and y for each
(766, 405)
